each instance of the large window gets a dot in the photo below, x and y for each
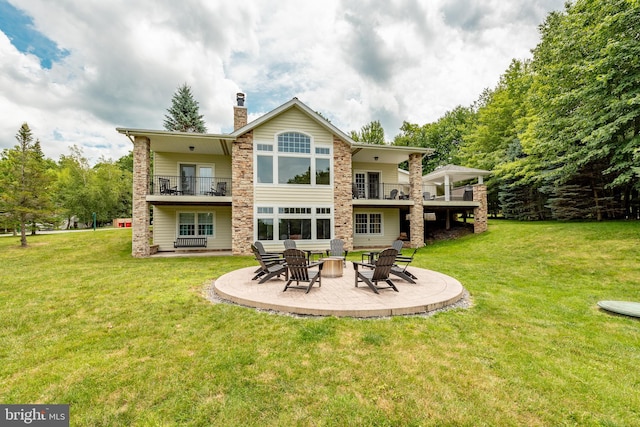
(294, 170)
(265, 169)
(293, 222)
(291, 160)
(368, 223)
(195, 224)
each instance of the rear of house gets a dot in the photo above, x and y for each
(289, 174)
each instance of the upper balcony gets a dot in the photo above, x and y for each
(190, 189)
(398, 194)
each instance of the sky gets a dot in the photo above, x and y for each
(74, 70)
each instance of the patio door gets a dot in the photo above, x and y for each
(196, 179)
(368, 184)
(205, 179)
(188, 179)
(374, 184)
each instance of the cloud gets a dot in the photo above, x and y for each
(118, 63)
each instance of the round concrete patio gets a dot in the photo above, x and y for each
(339, 296)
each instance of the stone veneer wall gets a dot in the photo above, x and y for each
(242, 190)
(417, 209)
(343, 196)
(481, 213)
(140, 224)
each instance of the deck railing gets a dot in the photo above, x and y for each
(380, 191)
(190, 186)
(401, 191)
(464, 193)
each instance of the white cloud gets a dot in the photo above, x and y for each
(354, 62)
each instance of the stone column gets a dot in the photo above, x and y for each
(481, 213)
(242, 190)
(342, 194)
(140, 221)
(417, 210)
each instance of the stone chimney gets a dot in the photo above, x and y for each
(239, 112)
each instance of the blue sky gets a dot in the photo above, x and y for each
(77, 69)
(18, 26)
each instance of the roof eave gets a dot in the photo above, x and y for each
(150, 132)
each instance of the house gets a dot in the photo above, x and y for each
(289, 174)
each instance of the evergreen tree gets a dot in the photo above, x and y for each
(184, 114)
(25, 182)
(586, 90)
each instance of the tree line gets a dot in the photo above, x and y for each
(561, 131)
(39, 192)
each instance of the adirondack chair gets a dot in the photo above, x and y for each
(336, 249)
(401, 271)
(265, 254)
(268, 268)
(380, 272)
(300, 270)
(290, 244)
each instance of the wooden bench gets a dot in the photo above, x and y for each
(190, 242)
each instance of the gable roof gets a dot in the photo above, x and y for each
(360, 151)
(293, 103)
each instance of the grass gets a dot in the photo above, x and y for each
(133, 342)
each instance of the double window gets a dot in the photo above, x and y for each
(293, 160)
(195, 224)
(368, 223)
(297, 223)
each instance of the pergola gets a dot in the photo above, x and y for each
(449, 174)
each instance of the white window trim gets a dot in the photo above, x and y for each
(368, 214)
(276, 216)
(215, 225)
(312, 156)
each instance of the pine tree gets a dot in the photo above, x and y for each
(184, 114)
(25, 182)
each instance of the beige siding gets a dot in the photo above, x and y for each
(388, 172)
(165, 226)
(168, 163)
(292, 120)
(286, 195)
(390, 229)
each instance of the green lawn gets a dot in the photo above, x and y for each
(133, 342)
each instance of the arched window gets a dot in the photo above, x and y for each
(293, 160)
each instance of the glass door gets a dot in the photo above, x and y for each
(205, 180)
(188, 179)
(373, 179)
(360, 180)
